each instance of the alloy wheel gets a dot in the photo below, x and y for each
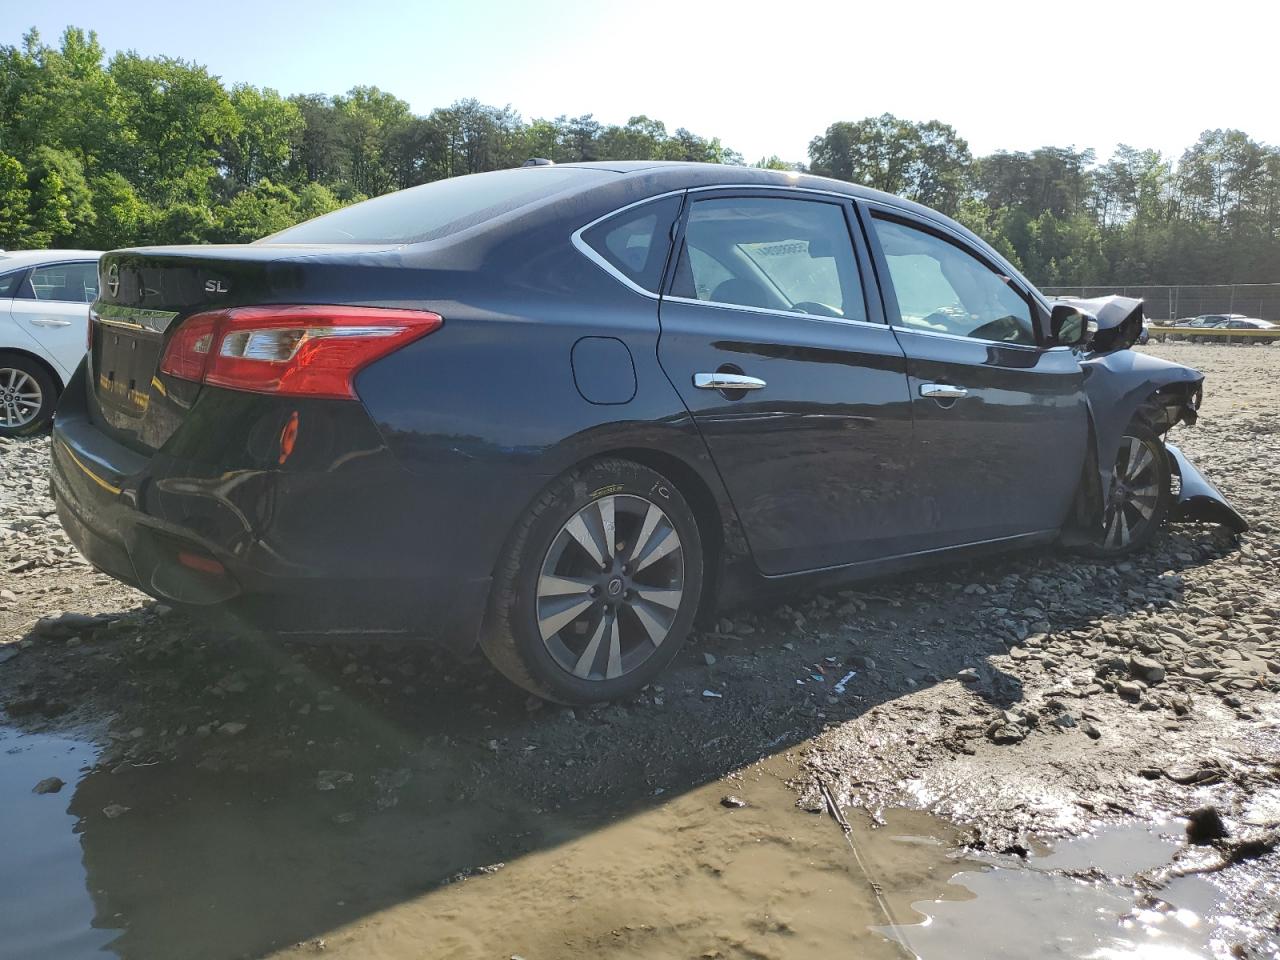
(20, 397)
(610, 587)
(1135, 492)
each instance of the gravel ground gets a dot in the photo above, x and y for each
(1027, 697)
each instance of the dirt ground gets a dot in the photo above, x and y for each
(1022, 699)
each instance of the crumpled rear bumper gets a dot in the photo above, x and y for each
(1199, 499)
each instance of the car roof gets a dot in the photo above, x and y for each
(681, 173)
(9, 259)
(671, 175)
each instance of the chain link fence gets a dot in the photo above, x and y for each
(1184, 301)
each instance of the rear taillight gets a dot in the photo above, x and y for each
(309, 351)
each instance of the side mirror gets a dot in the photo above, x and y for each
(1068, 327)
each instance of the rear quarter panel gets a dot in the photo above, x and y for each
(485, 412)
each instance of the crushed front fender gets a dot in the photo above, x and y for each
(1198, 499)
(1118, 385)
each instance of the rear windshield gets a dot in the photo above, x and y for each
(436, 209)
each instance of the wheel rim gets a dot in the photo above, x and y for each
(610, 587)
(1135, 492)
(20, 397)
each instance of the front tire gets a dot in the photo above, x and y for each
(27, 396)
(598, 585)
(1140, 495)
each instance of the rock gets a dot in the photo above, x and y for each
(332, 779)
(1001, 732)
(232, 728)
(1111, 666)
(1129, 690)
(712, 695)
(49, 785)
(113, 810)
(1090, 731)
(1146, 669)
(968, 675)
(732, 801)
(709, 659)
(66, 624)
(1204, 825)
(1064, 720)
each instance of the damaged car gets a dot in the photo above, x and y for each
(562, 412)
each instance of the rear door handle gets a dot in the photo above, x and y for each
(727, 381)
(49, 322)
(942, 391)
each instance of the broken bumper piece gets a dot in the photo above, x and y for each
(1199, 499)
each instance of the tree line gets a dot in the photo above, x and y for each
(105, 152)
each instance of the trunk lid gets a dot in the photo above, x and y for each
(146, 294)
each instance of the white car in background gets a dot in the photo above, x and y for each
(44, 322)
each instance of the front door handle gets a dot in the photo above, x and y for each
(49, 322)
(727, 381)
(942, 391)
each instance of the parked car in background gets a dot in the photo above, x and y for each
(561, 411)
(44, 319)
(1252, 323)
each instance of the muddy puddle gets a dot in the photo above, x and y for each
(376, 862)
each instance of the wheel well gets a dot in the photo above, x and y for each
(56, 377)
(705, 510)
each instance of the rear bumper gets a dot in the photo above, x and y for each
(342, 545)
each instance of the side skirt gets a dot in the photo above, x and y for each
(743, 585)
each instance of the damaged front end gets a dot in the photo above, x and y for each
(1123, 386)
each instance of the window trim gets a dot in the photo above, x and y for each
(889, 291)
(844, 202)
(27, 288)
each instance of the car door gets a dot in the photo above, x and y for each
(53, 307)
(798, 389)
(1001, 425)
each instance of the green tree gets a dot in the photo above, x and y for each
(181, 116)
(61, 204)
(15, 203)
(122, 218)
(262, 144)
(262, 209)
(925, 162)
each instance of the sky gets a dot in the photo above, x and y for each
(763, 77)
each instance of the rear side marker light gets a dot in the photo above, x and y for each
(312, 351)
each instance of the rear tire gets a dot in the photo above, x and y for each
(598, 585)
(1140, 496)
(28, 396)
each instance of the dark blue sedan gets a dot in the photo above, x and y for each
(563, 411)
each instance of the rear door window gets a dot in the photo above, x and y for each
(66, 282)
(636, 241)
(771, 253)
(9, 283)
